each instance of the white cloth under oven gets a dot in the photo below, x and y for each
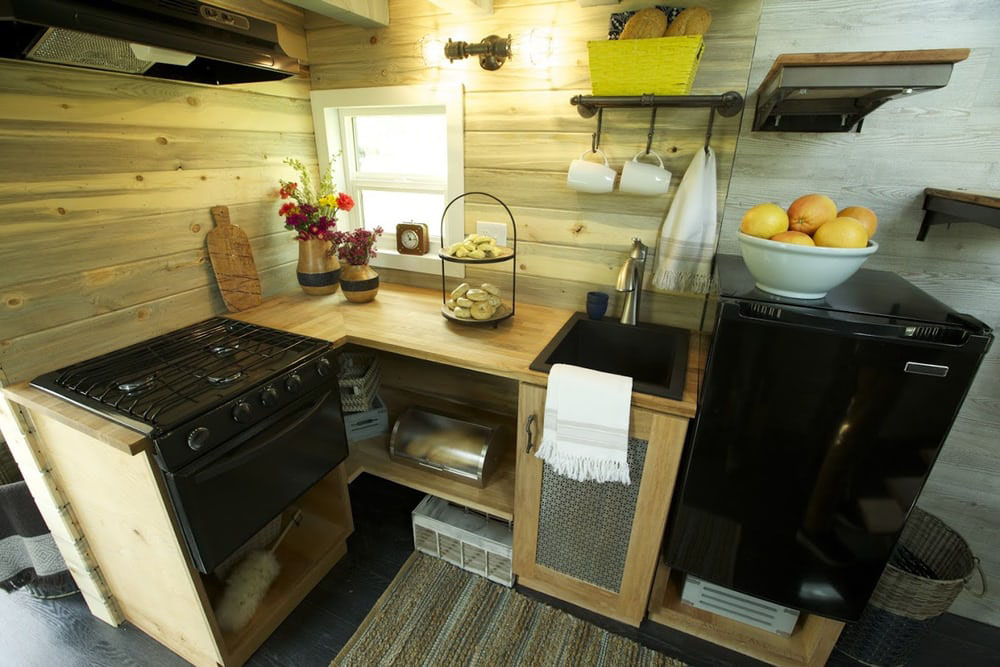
(585, 432)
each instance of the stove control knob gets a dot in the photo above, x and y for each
(293, 383)
(241, 412)
(323, 367)
(197, 438)
(269, 397)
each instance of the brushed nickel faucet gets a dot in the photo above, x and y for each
(630, 281)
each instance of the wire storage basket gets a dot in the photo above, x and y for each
(359, 377)
(927, 571)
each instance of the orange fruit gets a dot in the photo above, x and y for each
(865, 216)
(798, 238)
(842, 233)
(809, 212)
(764, 221)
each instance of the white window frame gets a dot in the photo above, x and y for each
(331, 108)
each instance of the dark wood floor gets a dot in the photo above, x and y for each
(62, 632)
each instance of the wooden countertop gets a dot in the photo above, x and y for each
(403, 320)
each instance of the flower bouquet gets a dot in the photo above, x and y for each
(313, 217)
(357, 248)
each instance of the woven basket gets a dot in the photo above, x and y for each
(358, 378)
(926, 573)
(659, 66)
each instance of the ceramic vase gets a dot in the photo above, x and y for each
(360, 283)
(318, 271)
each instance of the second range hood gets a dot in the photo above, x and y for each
(833, 92)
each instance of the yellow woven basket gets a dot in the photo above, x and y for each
(661, 66)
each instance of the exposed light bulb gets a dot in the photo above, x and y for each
(432, 50)
(536, 44)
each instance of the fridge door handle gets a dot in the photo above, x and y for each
(925, 369)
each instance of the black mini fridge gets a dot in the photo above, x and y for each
(818, 424)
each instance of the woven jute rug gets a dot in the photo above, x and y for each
(434, 613)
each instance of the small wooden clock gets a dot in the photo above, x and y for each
(412, 238)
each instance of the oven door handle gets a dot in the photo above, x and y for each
(266, 437)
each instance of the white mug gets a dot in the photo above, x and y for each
(639, 178)
(587, 176)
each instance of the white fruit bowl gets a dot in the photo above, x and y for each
(798, 271)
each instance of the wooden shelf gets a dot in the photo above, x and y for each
(306, 555)
(496, 498)
(944, 207)
(809, 644)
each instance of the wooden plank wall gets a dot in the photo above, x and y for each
(521, 132)
(948, 138)
(105, 186)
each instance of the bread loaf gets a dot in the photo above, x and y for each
(692, 21)
(645, 23)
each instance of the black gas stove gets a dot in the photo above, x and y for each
(195, 388)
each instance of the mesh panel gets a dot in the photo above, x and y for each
(451, 549)
(425, 540)
(498, 568)
(69, 47)
(474, 558)
(584, 527)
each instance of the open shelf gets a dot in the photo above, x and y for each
(809, 644)
(306, 554)
(372, 456)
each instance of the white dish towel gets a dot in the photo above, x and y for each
(687, 238)
(585, 432)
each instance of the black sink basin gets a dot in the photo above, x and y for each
(654, 356)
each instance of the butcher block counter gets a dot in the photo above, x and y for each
(402, 320)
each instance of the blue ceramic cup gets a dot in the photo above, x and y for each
(597, 305)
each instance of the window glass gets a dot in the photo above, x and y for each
(414, 145)
(388, 208)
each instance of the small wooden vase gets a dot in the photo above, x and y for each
(360, 283)
(318, 271)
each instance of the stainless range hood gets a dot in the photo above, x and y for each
(833, 92)
(171, 39)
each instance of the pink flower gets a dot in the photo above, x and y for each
(344, 202)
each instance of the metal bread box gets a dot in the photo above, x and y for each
(452, 447)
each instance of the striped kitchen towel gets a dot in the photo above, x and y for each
(585, 431)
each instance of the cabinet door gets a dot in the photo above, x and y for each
(594, 545)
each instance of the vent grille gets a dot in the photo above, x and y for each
(425, 540)
(925, 333)
(764, 310)
(739, 607)
(474, 559)
(451, 549)
(189, 7)
(499, 568)
(69, 47)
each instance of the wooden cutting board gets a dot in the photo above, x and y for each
(232, 261)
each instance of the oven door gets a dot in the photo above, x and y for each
(222, 499)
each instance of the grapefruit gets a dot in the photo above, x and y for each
(865, 216)
(798, 238)
(841, 233)
(809, 212)
(764, 221)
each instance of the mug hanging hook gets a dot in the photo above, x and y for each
(649, 137)
(595, 138)
(708, 135)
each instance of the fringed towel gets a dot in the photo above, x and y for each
(28, 554)
(585, 433)
(687, 238)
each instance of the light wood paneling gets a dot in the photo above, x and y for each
(945, 139)
(521, 132)
(106, 182)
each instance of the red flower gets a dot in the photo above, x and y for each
(344, 202)
(286, 208)
(287, 189)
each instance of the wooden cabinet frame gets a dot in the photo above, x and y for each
(665, 435)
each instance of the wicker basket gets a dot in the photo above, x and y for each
(926, 573)
(660, 66)
(358, 378)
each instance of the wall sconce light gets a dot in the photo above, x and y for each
(493, 51)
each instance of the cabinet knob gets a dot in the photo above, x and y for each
(527, 431)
